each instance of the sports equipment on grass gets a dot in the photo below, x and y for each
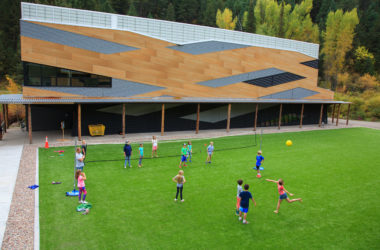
(289, 143)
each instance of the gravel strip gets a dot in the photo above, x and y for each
(19, 233)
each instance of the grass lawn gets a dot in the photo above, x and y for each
(336, 172)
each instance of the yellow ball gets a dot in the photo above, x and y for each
(289, 143)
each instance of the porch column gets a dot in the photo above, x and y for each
(228, 117)
(163, 119)
(320, 116)
(333, 113)
(6, 116)
(257, 110)
(302, 108)
(5, 126)
(197, 124)
(337, 115)
(30, 124)
(79, 123)
(123, 121)
(279, 117)
(348, 114)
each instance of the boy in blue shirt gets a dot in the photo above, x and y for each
(127, 154)
(141, 149)
(259, 161)
(183, 156)
(245, 196)
(210, 151)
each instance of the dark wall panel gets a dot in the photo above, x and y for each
(179, 117)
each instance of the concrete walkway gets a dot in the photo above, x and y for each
(12, 149)
(10, 154)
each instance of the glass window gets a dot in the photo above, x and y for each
(43, 75)
(34, 75)
(49, 76)
(63, 78)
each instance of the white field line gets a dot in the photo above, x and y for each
(37, 210)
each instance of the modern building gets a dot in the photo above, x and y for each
(137, 74)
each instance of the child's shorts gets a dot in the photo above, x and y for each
(283, 196)
(243, 209)
(183, 158)
(257, 167)
(154, 148)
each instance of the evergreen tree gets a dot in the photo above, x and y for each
(209, 14)
(368, 30)
(120, 6)
(326, 7)
(132, 9)
(187, 11)
(170, 14)
(251, 21)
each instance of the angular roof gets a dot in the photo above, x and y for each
(174, 32)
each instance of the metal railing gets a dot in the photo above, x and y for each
(178, 33)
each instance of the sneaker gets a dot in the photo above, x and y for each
(209, 162)
(245, 222)
(130, 166)
(258, 176)
(84, 202)
(80, 201)
(182, 200)
(240, 218)
(125, 166)
(175, 199)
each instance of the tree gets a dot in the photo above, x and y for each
(337, 42)
(250, 25)
(364, 61)
(326, 7)
(368, 30)
(187, 11)
(132, 9)
(300, 26)
(225, 19)
(170, 14)
(281, 31)
(209, 14)
(120, 6)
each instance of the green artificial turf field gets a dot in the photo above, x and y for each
(336, 172)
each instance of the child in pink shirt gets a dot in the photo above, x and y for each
(81, 177)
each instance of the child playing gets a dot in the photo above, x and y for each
(81, 177)
(239, 190)
(282, 191)
(127, 154)
(189, 150)
(154, 145)
(180, 180)
(259, 161)
(183, 156)
(79, 160)
(141, 149)
(210, 151)
(244, 203)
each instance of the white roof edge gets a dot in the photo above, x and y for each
(173, 32)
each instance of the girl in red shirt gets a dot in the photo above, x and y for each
(283, 196)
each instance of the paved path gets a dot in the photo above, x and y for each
(18, 229)
(10, 154)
